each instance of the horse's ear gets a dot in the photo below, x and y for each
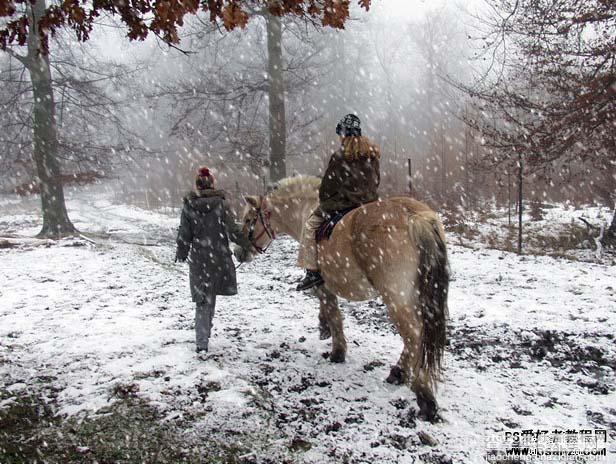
(252, 201)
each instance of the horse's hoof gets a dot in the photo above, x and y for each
(324, 333)
(337, 356)
(396, 376)
(428, 409)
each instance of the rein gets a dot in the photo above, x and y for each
(264, 216)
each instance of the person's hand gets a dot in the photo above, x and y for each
(241, 254)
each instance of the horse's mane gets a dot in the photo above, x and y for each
(296, 186)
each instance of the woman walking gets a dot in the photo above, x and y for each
(206, 227)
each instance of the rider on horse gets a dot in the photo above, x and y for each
(351, 179)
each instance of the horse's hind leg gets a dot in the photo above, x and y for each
(333, 318)
(409, 368)
(422, 387)
(406, 324)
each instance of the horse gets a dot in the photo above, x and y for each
(393, 248)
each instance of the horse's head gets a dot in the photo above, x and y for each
(256, 227)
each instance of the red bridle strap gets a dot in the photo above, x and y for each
(264, 216)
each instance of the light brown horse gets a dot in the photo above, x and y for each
(394, 248)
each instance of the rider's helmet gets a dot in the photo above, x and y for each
(349, 126)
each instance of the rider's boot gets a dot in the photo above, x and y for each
(312, 279)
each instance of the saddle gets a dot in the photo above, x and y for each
(327, 228)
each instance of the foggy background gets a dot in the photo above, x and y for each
(147, 115)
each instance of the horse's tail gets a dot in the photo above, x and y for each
(426, 232)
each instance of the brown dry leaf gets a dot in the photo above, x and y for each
(233, 16)
(313, 10)
(7, 8)
(336, 13)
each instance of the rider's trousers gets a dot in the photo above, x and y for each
(307, 257)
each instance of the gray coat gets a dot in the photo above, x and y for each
(206, 226)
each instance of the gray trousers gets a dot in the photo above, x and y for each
(204, 315)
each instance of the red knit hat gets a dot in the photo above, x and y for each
(205, 179)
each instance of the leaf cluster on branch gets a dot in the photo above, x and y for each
(159, 17)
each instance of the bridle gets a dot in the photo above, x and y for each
(264, 216)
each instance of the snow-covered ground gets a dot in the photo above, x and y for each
(531, 345)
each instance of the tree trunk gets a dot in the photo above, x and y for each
(56, 223)
(277, 118)
(508, 197)
(520, 202)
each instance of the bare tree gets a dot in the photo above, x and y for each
(33, 23)
(551, 89)
(90, 133)
(56, 222)
(219, 103)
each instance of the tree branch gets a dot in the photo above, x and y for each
(22, 59)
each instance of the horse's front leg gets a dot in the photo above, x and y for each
(331, 317)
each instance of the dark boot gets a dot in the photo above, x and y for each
(312, 279)
(202, 354)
